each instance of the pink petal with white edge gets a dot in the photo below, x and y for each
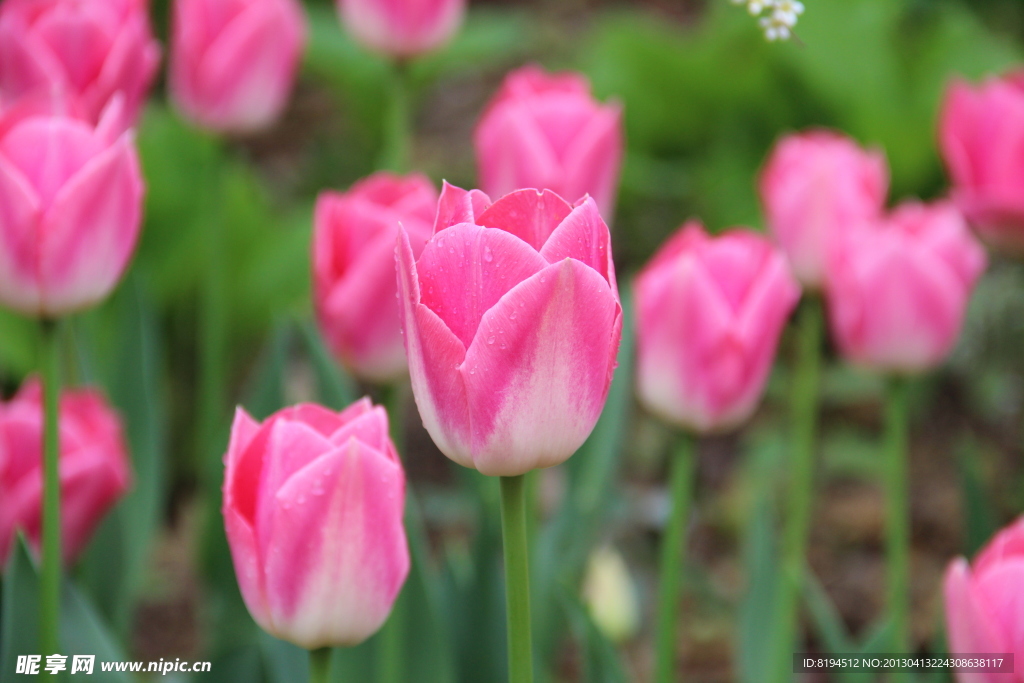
(337, 553)
(19, 244)
(583, 236)
(91, 230)
(464, 270)
(371, 428)
(538, 372)
(970, 628)
(530, 215)
(434, 354)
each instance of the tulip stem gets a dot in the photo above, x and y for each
(897, 513)
(800, 496)
(517, 579)
(320, 665)
(49, 588)
(391, 646)
(398, 121)
(673, 549)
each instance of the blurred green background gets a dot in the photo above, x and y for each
(705, 96)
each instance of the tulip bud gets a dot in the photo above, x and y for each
(233, 62)
(610, 595)
(817, 185)
(402, 28)
(70, 210)
(710, 311)
(313, 508)
(984, 604)
(86, 50)
(93, 464)
(512, 322)
(898, 287)
(980, 132)
(354, 283)
(546, 130)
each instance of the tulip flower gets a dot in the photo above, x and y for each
(313, 506)
(70, 210)
(898, 288)
(547, 131)
(354, 280)
(233, 62)
(402, 28)
(980, 132)
(984, 604)
(87, 50)
(94, 467)
(710, 311)
(512, 322)
(817, 185)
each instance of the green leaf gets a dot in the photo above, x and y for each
(601, 661)
(334, 388)
(826, 618)
(82, 631)
(283, 662)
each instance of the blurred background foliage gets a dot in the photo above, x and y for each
(705, 97)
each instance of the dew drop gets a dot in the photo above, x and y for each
(490, 340)
(513, 316)
(488, 256)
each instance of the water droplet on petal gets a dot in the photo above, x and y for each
(488, 256)
(490, 340)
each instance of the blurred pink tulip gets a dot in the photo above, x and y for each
(981, 134)
(70, 210)
(816, 185)
(985, 604)
(354, 236)
(402, 28)
(233, 62)
(94, 467)
(547, 131)
(85, 50)
(898, 287)
(313, 507)
(511, 329)
(710, 311)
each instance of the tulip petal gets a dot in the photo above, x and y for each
(1002, 587)
(25, 64)
(337, 553)
(91, 230)
(583, 236)
(19, 241)
(248, 566)
(459, 206)
(513, 152)
(594, 157)
(970, 628)
(434, 354)
(370, 428)
(465, 269)
(531, 215)
(538, 372)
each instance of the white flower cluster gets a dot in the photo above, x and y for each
(780, 19)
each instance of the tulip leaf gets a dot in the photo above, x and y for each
(335, 388)
(82, 632)
(826, 618)
(283, 662)
(19, 339)
(601, 661)
(133, 378)
(980, 522)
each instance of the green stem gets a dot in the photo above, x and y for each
(517, 579)
(398, 123)
(320, 665)
(391, 642)
(897, 512)
(673, 549)
(800, 495)
(51, 557)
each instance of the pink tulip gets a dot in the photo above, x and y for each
(898, 287)
(94, 467)
(313, 505)
(817, 185)
(512, 322)
(233, 62)
(88, 50)
(546, 130)
(402, 28)
(981, 134)
(985, 604)
(70, 210)
(709, 314)
(354, 268)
